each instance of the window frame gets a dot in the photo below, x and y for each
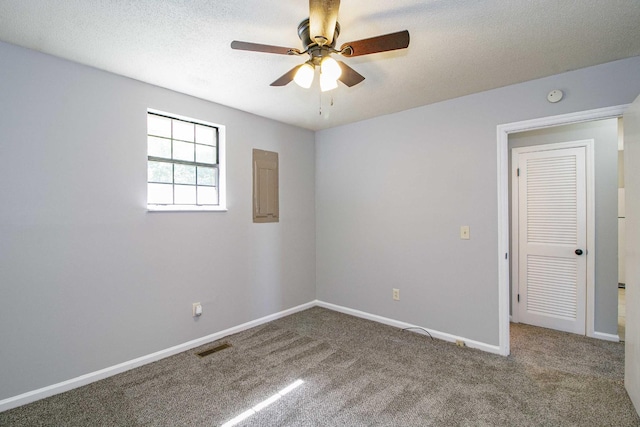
(221, 166)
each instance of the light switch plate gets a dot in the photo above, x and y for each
(464, 232)
(196, 310)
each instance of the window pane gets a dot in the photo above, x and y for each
(206, 176)
(185, 195)
(207, 195)
(160, 172)
(184, 174)
(183, 150)
(159, 194)
(205, 154)
(183, 130)
(159, 147)
(205, 135)
(157, 125)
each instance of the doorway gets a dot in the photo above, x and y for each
(598, 247)
(503, 132)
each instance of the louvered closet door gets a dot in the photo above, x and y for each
(552, 226)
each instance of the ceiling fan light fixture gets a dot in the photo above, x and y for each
(318, 35)
(330, 68)
(304, 75)
(327, 82)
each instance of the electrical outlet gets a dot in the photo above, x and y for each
(396, 294)
(464, 232)
(196, 310)
(460, 343)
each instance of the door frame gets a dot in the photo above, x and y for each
(590, 250)
(503, 132)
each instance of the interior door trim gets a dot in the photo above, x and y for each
(502, 187)
(590, 254)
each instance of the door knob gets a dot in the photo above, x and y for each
(578, 251)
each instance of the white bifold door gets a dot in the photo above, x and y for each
(552, 237)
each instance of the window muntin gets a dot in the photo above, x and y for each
(183, 164)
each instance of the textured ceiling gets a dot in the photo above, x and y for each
(457, 47)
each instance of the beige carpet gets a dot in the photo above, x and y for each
(357, 373)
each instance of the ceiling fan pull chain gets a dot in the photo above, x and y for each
(320, 102)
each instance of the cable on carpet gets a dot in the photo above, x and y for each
(417, 327)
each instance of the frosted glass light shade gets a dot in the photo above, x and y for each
(331, 68)
(327, 82)
(304, 75)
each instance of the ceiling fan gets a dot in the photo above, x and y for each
(319, 34)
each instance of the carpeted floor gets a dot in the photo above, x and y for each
(357, 373)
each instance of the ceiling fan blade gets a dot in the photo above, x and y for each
(349, 76)
(256, 47)
(393, 41)
(287, 77)
(323, 15)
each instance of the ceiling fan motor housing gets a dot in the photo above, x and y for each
(313, 48)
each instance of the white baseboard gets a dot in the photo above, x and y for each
(398, 324)
(41, 393)
(606, 337)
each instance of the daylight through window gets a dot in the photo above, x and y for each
(183, 168)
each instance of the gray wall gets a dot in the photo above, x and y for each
(392, 192)
(605, 136)
(88, 278)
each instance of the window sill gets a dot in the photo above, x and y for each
(185, 208)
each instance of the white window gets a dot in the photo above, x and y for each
(185, 166)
